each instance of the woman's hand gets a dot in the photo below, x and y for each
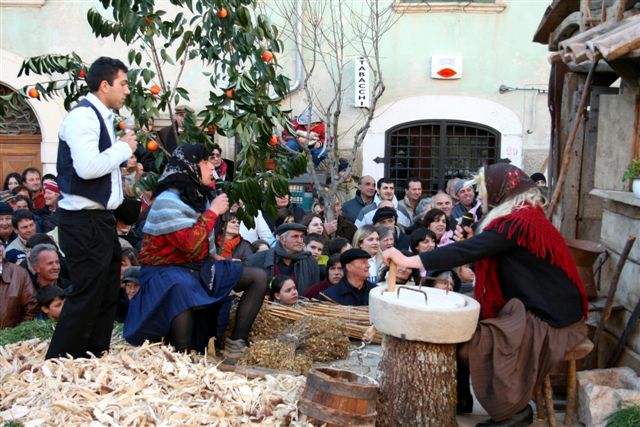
(459, 233)
(220, 205)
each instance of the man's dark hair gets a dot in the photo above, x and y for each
(412, 179)
(336, 245)
(46, 295)
(18, 188)
(103, 68)
(29, 170)
(385, 181)
(39, 238)
(26, 199)
(48, 176)
(21, 215)
(314, 237)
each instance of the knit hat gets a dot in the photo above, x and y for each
(384, 213)
(538, 177)
(6, 195)
(5, 209)
(503, 181)
(15, 256)
(342, 164)
(52, 186)
(129, 211)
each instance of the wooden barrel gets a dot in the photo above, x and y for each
(339, 398)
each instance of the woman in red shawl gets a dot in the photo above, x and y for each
(533, 304)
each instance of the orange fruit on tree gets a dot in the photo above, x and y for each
(148, 20)
(33, 93)
(82, 74)
(267, 56)
(273, 141)
(229, 93)
(222, 13)
(152, 145)
(155, 89)
(212, 128)
(121, 125)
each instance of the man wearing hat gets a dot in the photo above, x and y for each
(7, 197)
(7, 233)
(288, 257)
(168, 136)
(17, 294)
(387, 217)
(467, 200)
(354, 287)
(49, 213)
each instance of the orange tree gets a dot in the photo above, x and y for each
(235, 47)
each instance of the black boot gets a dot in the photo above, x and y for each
(521, 419)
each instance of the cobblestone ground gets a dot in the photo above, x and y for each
(365, 362)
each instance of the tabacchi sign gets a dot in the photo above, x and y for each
(361, 96)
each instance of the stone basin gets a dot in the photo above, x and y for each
(440, 318)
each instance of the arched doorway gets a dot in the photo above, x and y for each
(20, 138)
(438, 150)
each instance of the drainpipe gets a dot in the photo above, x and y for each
(296, 85)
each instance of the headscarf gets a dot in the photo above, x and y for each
(183, 174)
(499, 182)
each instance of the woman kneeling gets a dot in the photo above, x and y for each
(180, 280)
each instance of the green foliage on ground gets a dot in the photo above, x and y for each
(42, 329)
(627, 417)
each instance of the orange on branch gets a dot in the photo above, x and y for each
(148, 20)
(82, 74)
(229, 93)
(152, 145)
(267, 56)
(273, 141)
(155, 89)
(222, 13)
(33, 93)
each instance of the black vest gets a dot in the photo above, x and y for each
(97, 189)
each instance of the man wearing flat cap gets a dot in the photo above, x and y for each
(288, 257)
(354, 287)
(467, 200)
(7, 233)
(387, 217)
(168, 136)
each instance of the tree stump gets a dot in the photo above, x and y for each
(417, 384)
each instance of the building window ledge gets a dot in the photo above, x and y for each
(22, 3)
(441, 7)
(624, 197)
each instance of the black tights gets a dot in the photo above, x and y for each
(253, 284)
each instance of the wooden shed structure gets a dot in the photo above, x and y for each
(594, 102)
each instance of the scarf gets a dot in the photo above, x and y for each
(536, 234)
(284, 254)
(229, 246)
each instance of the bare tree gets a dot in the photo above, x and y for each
(334, 33)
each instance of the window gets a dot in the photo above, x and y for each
(436, 151)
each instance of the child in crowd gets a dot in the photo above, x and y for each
(128, 260)
(131, 281)
(50, 300)
(283, 290)
(259, 246)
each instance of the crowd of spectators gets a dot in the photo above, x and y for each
(293, 247)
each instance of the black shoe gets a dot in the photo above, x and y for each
(521, 419)
(464, 406)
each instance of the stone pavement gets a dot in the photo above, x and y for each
(365, 362)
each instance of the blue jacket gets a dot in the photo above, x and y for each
(351, 208)
(344, 293)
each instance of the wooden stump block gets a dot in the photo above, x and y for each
(417, 384)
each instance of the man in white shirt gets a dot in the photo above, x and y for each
(89, 179)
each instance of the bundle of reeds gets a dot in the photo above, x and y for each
(355, 319)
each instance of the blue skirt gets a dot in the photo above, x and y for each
(166, 291)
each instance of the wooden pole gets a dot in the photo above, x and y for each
(417, 384)
(391, 276)
(557, 192)
(624, 337)
(610, 297)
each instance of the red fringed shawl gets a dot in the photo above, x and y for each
(536, 234)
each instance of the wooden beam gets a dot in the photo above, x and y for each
(553, 17)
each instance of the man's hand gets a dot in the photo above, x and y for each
(459, 233)
(220, 205)
(130, 138)
(331, 227)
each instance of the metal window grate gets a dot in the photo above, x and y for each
(436, 151)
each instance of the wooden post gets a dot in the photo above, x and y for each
(417, 384)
